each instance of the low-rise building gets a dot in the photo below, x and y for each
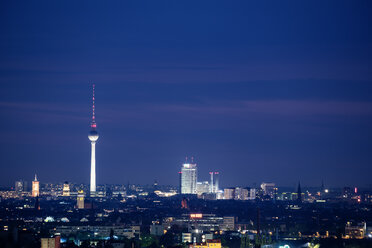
(51, 242)
(213, 243)
(99, 232)
(157, 230)
(355, 231)
(197, 221)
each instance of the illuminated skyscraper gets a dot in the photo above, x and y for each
(214, 187)
(188, 178)
(35, 187)
(229, 193)
(66, 189)
(211, 185)
(216, 181)
(268, 189)
(20, 186)
(202, 187)
(80, 199)
(93, 137)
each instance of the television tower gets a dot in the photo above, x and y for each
(93, 137)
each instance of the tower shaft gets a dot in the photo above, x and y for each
(93, 169)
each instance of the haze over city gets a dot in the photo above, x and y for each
(258, 92)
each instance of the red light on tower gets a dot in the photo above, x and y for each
(355, 190)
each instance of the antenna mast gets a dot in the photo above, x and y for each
(93, 125)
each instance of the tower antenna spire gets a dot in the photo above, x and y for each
(93, 124)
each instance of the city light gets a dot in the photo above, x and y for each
(210, 124)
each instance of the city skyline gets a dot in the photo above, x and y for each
(259, 93)
(186, 124)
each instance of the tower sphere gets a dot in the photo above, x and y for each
(93, 135)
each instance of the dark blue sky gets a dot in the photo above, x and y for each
(260, 91)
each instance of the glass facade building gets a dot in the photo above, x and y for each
(188, 179)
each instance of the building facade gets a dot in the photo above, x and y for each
(20, 186)
(208, 244)
(51, 242)
(80, 200)
(202, 187)
(229, 193)
(35, 187)
(66, 189)
(268, 189)
(188, 178)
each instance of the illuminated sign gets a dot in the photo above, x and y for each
(196, 216)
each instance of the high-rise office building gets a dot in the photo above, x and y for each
(66, 189)
(252, 194)
(214, 187)
(241, 193)
(229, 193)
(268, 189)
(93, 137)
(211, 185)
(202, 187)
(80, 199)
(188, 178)
(35, 187)
(20, 186)
(216, 181)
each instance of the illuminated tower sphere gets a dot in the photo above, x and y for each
(93, 137)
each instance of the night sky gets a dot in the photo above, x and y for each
(257, 90)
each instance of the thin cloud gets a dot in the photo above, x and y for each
(275, 107)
